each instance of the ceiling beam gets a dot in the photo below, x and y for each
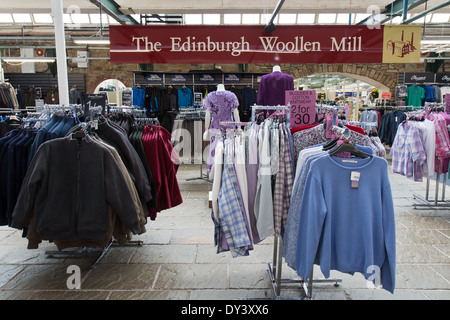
(423, 13)
(393, 9)
(113, 9)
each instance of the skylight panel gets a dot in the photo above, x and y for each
(327, 18)
(306, 18)
(193, 19)
(250, 18)
(287, 18)
(211, 18)
(42, 18)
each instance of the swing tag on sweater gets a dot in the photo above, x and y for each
(355, 179)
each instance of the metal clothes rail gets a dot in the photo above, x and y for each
(279, 107)
(88, 252)
(426, 203)
(275, 269)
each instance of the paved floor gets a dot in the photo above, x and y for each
(178, 259)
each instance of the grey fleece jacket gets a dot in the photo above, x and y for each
(69, 185)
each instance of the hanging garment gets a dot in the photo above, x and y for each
(232, 219)
(57, 127)
(416, 95)
(13, 165)
(252, 177)
(163, 162)
(249, 98)
(283, 183)
(116, 137)
(442, 142)
(76, 96)
(330, 220)
(401, 92)
(185, 97)
(138, 97)
(389, 124)
(273, 87)
(429, 94)
(429, 142)
(84, 178)
(9, 124)
(408, 153)
(52, 96)
(331, 208)
(135, 138)
(263, 202)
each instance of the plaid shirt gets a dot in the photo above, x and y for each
(278, 194)
(407, 149)
(288, 178)
(442, 141)
(283, 182)
(231, 217)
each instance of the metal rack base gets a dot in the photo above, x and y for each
(203, 176)
(274, 269)
(86, 252)
(426, 203)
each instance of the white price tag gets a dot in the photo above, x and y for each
(355, 176)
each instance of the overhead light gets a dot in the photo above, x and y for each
(270, 27)
(18, 59)
(91, 41)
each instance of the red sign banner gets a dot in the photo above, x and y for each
(245, 44)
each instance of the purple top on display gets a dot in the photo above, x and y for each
(221, 105)
(273, 87)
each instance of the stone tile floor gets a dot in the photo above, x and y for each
(178, 259)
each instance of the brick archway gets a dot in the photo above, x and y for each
(382, 76)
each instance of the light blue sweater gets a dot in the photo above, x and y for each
(345, 229)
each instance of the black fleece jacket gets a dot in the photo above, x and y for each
(69, 185)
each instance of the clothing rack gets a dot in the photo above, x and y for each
(86, 251)
(234, 123)
(323, 107)
(276, 108)
(147, 120)
(436, 203)
(196, 114)
(15, 111)
(426, 202)
(274, 268)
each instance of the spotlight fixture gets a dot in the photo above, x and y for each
(270, 27)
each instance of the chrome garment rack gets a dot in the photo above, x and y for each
(275, 269)
(426, 203)
(89, 252)
(279, 107)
